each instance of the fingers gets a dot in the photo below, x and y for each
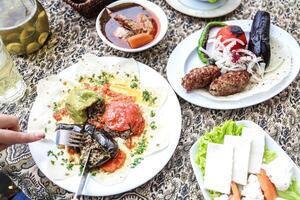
(8, 137)
(9, 122)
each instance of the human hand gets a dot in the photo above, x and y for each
(10, 132)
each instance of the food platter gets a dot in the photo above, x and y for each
(284, 45)
(152, 162)
(270, 144)
(203, 9)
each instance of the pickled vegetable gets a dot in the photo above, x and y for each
(28, 37)
(32, 47)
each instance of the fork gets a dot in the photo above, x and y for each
(68, 138)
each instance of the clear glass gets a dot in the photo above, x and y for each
(12, 86)
(24, 25)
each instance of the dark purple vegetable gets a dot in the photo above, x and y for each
(259, 42)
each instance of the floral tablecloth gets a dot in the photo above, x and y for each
(72, 36)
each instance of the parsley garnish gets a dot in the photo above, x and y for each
(55, 107)
(50, 153)
(153, 125)
(142, 145)
(136, 162)
(52, 162)
(94, 173)
(133, 85)
(152, 113)
(104, 78)
(70, 166)
(148, 97)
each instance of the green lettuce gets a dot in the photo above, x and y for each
(269, 156)
(215, 136)
(292, 193)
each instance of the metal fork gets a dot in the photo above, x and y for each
(68, 138)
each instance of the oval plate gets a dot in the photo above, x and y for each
(152, 164)
(184, 57)
(271, 144)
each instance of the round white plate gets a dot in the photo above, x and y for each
(204, 9)
(152, 7)
(149, 167)
(184, 58)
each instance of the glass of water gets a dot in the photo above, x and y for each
(12, 86)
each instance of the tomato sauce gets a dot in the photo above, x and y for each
(114, 164)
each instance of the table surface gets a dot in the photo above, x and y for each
(72, 36)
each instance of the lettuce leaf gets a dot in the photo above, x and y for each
(215, 136)
(292, 193)
(269, 156)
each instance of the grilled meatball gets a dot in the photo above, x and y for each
(200, 77)
(229, 83)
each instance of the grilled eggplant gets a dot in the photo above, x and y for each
(259, 42)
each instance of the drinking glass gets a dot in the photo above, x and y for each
(12, 86)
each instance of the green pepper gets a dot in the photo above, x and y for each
(204, 37)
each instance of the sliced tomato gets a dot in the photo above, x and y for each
(114, 164)
(229, 32)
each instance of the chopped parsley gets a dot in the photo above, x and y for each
(52, 162)
(104, 78)
(136, 162)
(70, 166)
(94, 173)
(148, 97)
(81, 169)
(133, 85)
(153, 125)
(45, 129)
(65, 160)
(152, 113)
(55, 107)
(142, 145)
(50, 153)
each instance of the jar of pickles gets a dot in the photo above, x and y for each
(24, 26)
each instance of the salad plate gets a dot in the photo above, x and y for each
(150, 145)
(269, 158)
(284, 50)
(204, 9)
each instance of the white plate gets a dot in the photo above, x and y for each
(152, 7)
(184, 58)
(149, 167)
(203, 9)
(271, 144)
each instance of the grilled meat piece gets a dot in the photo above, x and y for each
(229, 83)
(129, 24)
(200, 77)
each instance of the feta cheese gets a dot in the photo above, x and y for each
(257, 138)
(240, 157)
(280, 172)
(222, 197)
(218, 168)
(252, 190)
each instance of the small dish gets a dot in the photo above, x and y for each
(160, 19)
(204, 9)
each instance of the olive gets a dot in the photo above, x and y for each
(13, 37)
(15, 48)
(28, 35)
(43, 37)
(32, 47)
(42, 24)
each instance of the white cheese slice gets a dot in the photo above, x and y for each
(218, 168)
(257, 138)
(241, 155)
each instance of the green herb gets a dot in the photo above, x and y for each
(269, 156)
(52, 162)
(133, 85)
(153, 125)
(55, 107)
(81, 78)
(70, 166)
(50, 153)
(148, 97)
(60, 153)
(152, 113)
(142, 145)
(62, 164)
(45, 129)
(65, 160)
(104, 78)
(136, 162)
(94, 173)
(81, 169)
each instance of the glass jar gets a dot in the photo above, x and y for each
(24, 25)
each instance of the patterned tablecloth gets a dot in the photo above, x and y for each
(72, 36)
